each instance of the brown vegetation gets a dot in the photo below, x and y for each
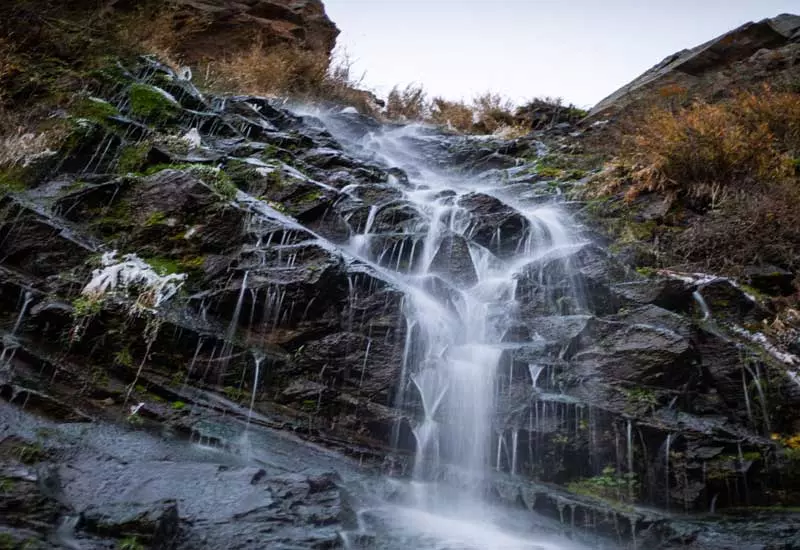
(487, 113)
(731, 172)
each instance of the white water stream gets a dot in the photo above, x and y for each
(455, 332)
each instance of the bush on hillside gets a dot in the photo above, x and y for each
(709, 152)
(730, 174)
(409, 103)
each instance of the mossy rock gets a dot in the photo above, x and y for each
(94, 109)
(152, 104)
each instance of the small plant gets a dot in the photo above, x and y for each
(30, 453)
(124, 358)
(609, 485)
(130, 543)
(133, 157)
(6, 486)
(86, 306)
(178, 405)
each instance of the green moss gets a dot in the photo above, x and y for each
(94, 109)
(30, 453)
(574, 174)
(215, 178)
(548, 172)
(610, 486)
(639, 399)
(150, 103)
(631, 231)
(12, 180)
(178, 405)
(242, 174)
(277, 206)
(164, 266)
(309, 405)
(6, 485)
(156, 218)
(311, 196)
(192, 263)
(133, 157)
(646, 271)
(124, 358)
(86, 306)
(7, 542)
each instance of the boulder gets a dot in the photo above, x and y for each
(454, 261)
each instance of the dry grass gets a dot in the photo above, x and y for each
(731, 172)
(710, 151)
(454, 115)
(284, 71)
(157, 30)
(493, 112)
(409, 103)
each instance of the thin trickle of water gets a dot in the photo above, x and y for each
(667, 445)
(258, 358)
(514, 444)
(536, 371)
(629, 435)
(26, 302)
(701, 302)
(713, 506)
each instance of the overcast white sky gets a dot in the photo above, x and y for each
(580, 50)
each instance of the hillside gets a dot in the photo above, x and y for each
(238, 321)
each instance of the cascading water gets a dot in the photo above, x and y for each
(457, 326)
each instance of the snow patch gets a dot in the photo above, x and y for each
(133, 273)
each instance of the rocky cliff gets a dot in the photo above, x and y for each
(765, 51)
(203, 296)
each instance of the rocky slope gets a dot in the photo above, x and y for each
(183, 278)
(766, 51)
(234, 213)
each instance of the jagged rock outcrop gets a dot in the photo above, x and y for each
(290, 248)
(231, 27)
(741, 57)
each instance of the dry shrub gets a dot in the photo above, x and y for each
(760, 228)
(455, 115)
(271, 71)
(708, 151)
(157, 30)
(408, 103)
(287, 71)
(19, 146)
(493, 112)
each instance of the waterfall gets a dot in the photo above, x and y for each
(460, 283)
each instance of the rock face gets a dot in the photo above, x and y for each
(263, 280)
(741, 56)
(233, 27)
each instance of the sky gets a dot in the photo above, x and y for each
(579, 50)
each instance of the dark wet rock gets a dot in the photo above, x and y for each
(453, 260)
(729, 303)
(156, 523)
(770, 279)
(668, 293)
(646, 354)
(495, 225)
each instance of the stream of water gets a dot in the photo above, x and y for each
(457, 330)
